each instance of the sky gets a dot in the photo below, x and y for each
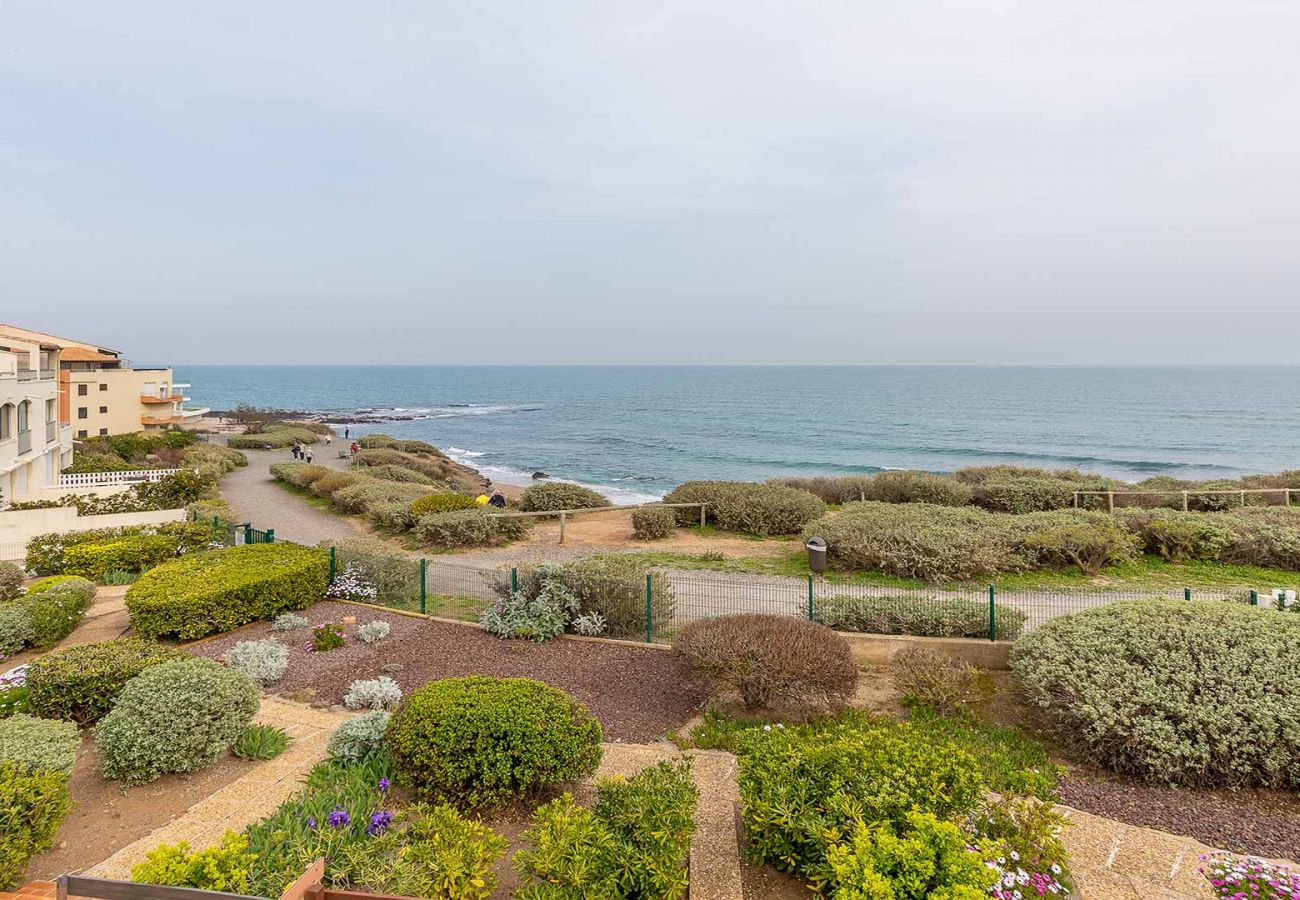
(904, 181)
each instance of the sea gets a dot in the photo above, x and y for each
(635, 432)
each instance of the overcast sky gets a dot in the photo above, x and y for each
(905, 181)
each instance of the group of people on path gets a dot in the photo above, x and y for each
(302, 452)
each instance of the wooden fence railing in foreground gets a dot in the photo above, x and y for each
(307, 887)
(565, 513)
(1242, 492)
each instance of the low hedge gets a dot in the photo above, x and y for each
(81, 683)
(844, 489)
(299, 474)
(274, 438)
(469, 528)
(921, 616)
(653, 523)
(55, 609)
(332, 481)
(394, 515)
(360, 496)
(481, 741)
(398, 473)
(174, 717)
(32, 806)
(440, 503)
(212, 592)
(47, 553)
(556, 495)
(1201, 694)
(764, 509)
(39, 743)
(129, 553)
(917, 487)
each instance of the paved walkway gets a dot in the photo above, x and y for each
(254, 497)
(245, 800)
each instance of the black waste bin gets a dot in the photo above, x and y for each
(816, 554)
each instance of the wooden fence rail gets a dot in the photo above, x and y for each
(565, 513)
(1111, 495)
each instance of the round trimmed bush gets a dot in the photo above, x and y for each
(80, 683)
(11, 579)
(264, 662)
(469, 528)
(481, 741)
(553, 495)
(770, 660)
(768, 509)
(653, 523)
(917, 487)
(176, 717)
(39, 743)
(1200, 693)
(439, 503)
(215, 591)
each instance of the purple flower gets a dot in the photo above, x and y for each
(378, 822)
(383, 785)
(339, 818)
(311, 822)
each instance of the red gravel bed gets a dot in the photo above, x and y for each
(637, 694)
(1258, 822)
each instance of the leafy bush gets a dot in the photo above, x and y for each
(468, 528)
(131, 553)
(1086, 539)
(1264, 536)
(437, 503)
(635, 843)
(298, 474)
(711, 493)
(326, 637)
(801, 786)
(174, 491)
(920, 615)
(1182, 693)
(39, 743)
(541, 609)
(264, 662)
(81, 683)
(54, 609)
(32, 806)
(226, 867)
(481, 740)
(174, 717)
(609, 589)
(768, 509)
(553, 495)
(394, 515)
(373, 632)
(451, 856)
(917, 487)
(844, 489)
(15, 629)
(260, 742)
(360, 496)
(770, 660)
(212, 592)
(652, 523)
(359, 736)
(277, 437)
(11, 579)
(925, 857)
(331, 482)
(373, 693)
(288, 622)
(1179, 536)
(1028, 493)
(47, 553)
(919, 540)
(394, 576)
(933, 679)
(398, 473)
(1028, 831)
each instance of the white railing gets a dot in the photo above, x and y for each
(108, 479)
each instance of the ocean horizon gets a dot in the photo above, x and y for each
(636, 431)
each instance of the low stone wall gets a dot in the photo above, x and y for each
(879, 649)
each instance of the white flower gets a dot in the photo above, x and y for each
(767, 727)
(1056, 869)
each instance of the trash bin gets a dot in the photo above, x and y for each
(816, 554)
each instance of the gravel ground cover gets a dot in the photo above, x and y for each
(637, 694)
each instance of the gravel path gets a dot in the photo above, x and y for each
(255, 497)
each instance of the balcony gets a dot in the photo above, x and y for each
(36, 374)
(162, 398)
(24, 442)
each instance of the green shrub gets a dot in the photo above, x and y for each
(56, 611)
(174, 717)
(925, 857)
(552, 495)
(132, 553)
(1086, 539)
(32, 806)
(931, 679)
(359, 736)
(917, 487)
(920, 615)
(327, 637)
(770, 659)
(1024, 494)
(264, 661)
(711, 493)
(1001, 472)
(360, 496)
(46, 553)
(635, 843)
(212, 592)
(73, 584)
(399, 473)
(611, 587)
(299, 474)
(226, 867)
(653, 523)
(768, 509)
(1264, 536)
(844, 489)
(39, 743)
(447, 855)
(1183, 693)
(260, 742)
(16, 630)
(480, 740)
(476, 527)
(919, 540)
(801, 786)
(1179, 536)
(331, 482)
(437, 503)
(175, 490)
(393, 515)
(278, 437)
(81, 683)
(394, 575)
(1028, 830)
(11, 579)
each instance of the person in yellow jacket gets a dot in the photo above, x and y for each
(481, 499)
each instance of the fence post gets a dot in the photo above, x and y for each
(703, 507)
(332, 564)
(1187, 593)
(270, 535)
(649, 610)
(424, 592)
(1254, 598)
(993, 614)
(514, 580)
(811, 614)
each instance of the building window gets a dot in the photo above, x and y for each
(6, 421)
(82, 389)
(103, 387)
(81, 433)
(24, 413)
(82, 412)
(103, 409)
(103, 431)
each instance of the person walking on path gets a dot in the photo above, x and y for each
(295, 449)
(329, 439)
(309, 455)
(347, 432)
(354, 448)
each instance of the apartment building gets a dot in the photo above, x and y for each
(34, 446)
(101, 393)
